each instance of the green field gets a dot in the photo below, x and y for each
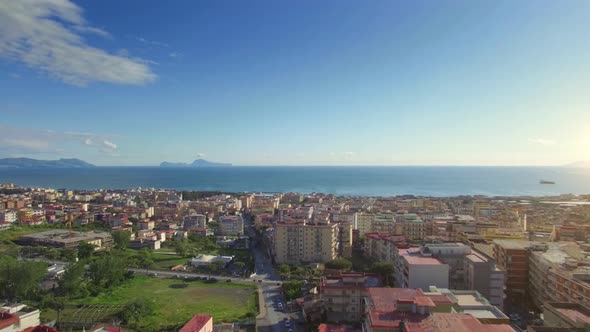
(177, 301)
(165, 262)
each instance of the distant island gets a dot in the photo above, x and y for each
(35, 163)
(197, 163)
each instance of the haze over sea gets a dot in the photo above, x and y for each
(343, 180)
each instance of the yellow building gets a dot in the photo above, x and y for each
(296, 242)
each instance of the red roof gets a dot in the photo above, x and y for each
(385, 299)
(7, 319)
(455, 322)
(196, 323)
(335, 328)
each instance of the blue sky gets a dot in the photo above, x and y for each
(296, 83)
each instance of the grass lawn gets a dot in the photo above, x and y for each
(165, 262)
(17, 231)
(177, 301)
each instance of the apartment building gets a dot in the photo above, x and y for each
(415, 270)
(194, 221)
(345, 217)
(300, 241)
(512, 256)
(559, 272)
(412, 226)
(383, 223)
(8, 216)
(345, 239)
(343, 295)
(564, 316)
(413, 310)
(452, 254)
(146, 225)
(482, 275)
(231, 225)
(364, 222)
(572, 232)
(381, 247)
(375, 223)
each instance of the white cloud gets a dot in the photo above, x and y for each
(109, 144)
(46, 35)
(201, 155)
(542, 141)
(349, 153)
(25, 141)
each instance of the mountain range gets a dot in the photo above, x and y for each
(35, 163)
(196, 163)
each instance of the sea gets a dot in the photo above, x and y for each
(438, 181)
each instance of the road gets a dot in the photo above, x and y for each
(274, 320)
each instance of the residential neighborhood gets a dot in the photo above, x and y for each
(314, 261)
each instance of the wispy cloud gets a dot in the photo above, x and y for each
(109, 145)
(26, 141)
(47, 35)
(151, 42)
(201, 155)
(542, 141)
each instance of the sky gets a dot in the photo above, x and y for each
(306, 82)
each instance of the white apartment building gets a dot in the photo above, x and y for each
(414, 270)
(231, 225)
(8, 216)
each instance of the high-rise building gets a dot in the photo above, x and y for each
(299, 241)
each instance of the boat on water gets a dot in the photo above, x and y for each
(546, 182)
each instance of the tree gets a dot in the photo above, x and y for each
(121, 239)
(182, 247)
(146, 258)
(136, 311)
(68, 254)
(70, 283)
(19, 280)
(385, 271)
(339, 264)
(107, 271)
(85, 250)
(292, 289)
(284, 270)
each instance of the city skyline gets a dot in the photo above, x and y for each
(265, 83)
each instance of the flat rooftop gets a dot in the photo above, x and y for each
(469, 300)
(482, 313)
(575, 314)
(62, 235)
(514, 244)
(353, 279)
(417, 258)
